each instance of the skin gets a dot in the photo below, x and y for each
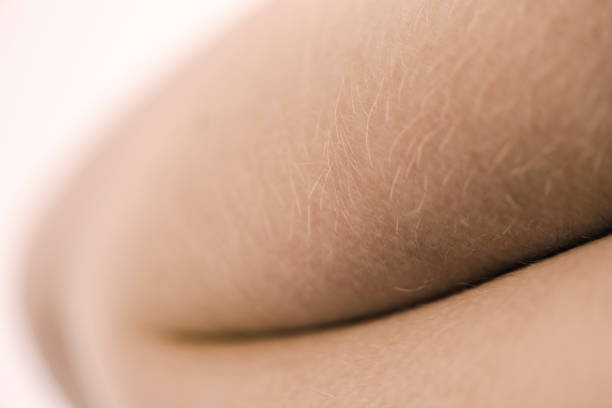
(330, 162)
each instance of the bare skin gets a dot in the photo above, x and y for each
(332, 161)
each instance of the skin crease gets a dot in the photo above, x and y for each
(329, 161)
(536, 338)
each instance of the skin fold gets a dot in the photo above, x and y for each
(327, 162)
(538, 337)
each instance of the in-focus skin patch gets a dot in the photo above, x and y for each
(314, 180)
(367, 159)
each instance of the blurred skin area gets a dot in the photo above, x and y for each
(255, 234)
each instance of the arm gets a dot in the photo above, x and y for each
(328, 162)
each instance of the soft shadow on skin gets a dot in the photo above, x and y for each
(194, 338)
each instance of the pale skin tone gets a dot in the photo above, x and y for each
(256, 234)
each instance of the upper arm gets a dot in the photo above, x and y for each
(342, 160)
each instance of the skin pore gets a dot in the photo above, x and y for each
(332, 161)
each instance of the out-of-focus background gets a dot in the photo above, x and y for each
(68, 67)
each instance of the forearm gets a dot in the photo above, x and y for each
(538, 337)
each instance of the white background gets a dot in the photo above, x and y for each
(66, 66)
